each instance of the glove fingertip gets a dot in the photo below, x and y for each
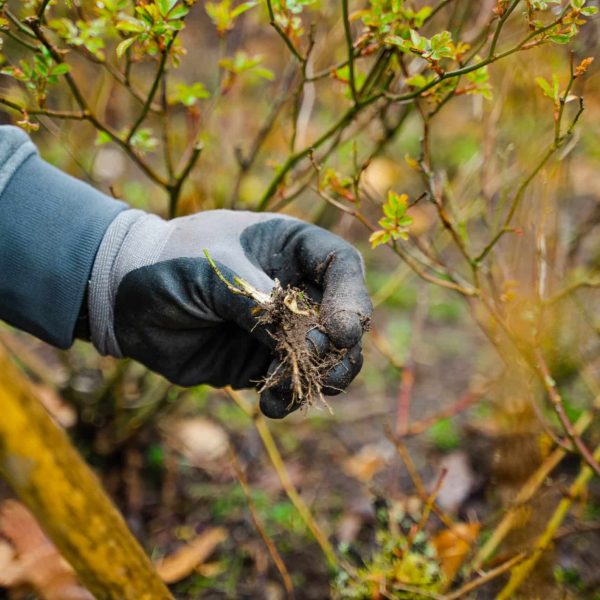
(318, 342)
(344, 328)
(342, 375)
(274, 406)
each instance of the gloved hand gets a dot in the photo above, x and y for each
(154, 297)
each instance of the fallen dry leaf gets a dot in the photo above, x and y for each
(184, 561)
(366, 463)
(201, 441)
(61, 412)
(453, 545)
(211, 569)
(28, 558)
(459, 482)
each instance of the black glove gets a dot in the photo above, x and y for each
(154, 296)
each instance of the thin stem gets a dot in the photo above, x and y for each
(411, 261)
(350, 45)
(46, 112)
(122, 79)
(294, 159)
(246, 161)
(503, 20)
(42, 9)
(268, 541)
(177, 186)
(165, 129)
(559, 409)
(520, 573)
(487, 577)
(327, 71)
(525, 494)
(288, 42)
(488, 248)
(89, 115)
(558, 142)
(490, 58)
(153, 89)
(21, 41)
(437, 8)
(19, 24)
(567, 291)
(284, 478)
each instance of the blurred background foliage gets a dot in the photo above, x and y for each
(484, 346)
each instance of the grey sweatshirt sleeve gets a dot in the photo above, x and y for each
(51, 226)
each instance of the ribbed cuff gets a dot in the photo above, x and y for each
(50, 228)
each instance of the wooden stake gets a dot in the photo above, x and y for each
(49, 476)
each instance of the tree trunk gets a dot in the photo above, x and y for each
(50, 477)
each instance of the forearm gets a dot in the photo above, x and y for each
(50, 228)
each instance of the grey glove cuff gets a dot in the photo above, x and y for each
(134, 239)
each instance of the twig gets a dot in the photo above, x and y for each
(559, 409)
(47, 112)
(294, 159)
(573, 287)
(89, 115)
(176, 187)
(407, 379)
(42, 10)
(284, 478)
(520, 573)
(271, 547)
(288, 42)
(487, 577)
(21, 41)
(468, 400)
(246, 161)
(558, 142)
(428, 507)
(350, 46)
(417, 481)
(407, 258)
(490, 58)
(153, 89)
(119, 77)
(165, 128)
(439, 7)
(18, 23)
(525, 494)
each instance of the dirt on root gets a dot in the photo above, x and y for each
(289, 317)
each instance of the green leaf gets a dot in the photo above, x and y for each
(263, 72)
(61, 69)
(124, 45)
(130, 25)
(144, 141)
(163, 7)
(561, 38)
(444, 434)
(188, 95)
(242, 8)
(417, 81)
(378, 238)
(545, 86)
(179, 12)
(102, 138)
